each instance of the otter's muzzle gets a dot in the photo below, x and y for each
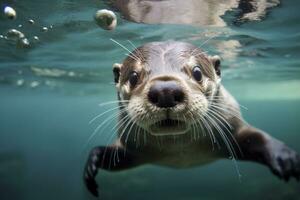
(166, 94)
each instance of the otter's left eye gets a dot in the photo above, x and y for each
(197, 73)
(133, 79)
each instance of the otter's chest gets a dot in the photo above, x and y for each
(179, 155)
(186, 158)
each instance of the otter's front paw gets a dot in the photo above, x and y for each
(91, 171)
(284, 162)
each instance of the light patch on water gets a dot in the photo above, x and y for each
(34, 84)
(50, 72)
(257, 91)
(20, 82)
(261, 9)
(229, 49)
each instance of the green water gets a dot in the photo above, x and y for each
(50, 92)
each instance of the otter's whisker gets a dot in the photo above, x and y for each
(145, 131)
(134, 57)
(236, 115)
(195, 49)
(128, 119)
(98, 128)
(227, 143)
(228, 110)
(208, 128)
(121, 123)
(142, 131)
(201, 53)
(113, 102)
(123, 120)
(193, 126)
(129, 131)
(137, 133)
(141, 57)
(108, 120)
(115, 154)
(103, 113)
(226, 127)
(206, 41)
(219, 115)
(221, 131)
(199, 123)
(215, 97)
(124, 130)
(209, 131)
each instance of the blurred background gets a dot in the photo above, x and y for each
(51, 86)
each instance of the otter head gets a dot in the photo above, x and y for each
(166, 87)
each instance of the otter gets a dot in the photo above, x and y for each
(175, 112)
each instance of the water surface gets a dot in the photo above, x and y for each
(50, 91)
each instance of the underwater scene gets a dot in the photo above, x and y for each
(58, 98)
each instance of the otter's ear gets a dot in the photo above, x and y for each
(216, 61)
(116, 71)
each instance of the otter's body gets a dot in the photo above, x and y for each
(175, 112)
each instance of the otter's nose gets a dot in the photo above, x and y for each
(165, 94)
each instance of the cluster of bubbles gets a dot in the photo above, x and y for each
(106, 19)
(17, 36)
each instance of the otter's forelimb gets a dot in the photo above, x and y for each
(112, 158)
(260, 147)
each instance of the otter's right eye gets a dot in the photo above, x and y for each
(197, 74)
(133, 79)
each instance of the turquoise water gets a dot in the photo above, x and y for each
(50, 91)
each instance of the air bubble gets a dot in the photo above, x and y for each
(31, 21)
(36, 38)
(14, 34)
(44, 29)
(10, 13)
(23, 43)
(106, 19)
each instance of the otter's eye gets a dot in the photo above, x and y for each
(197, 73)
(133, 78)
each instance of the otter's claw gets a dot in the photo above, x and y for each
(285, 163)
(91, 171)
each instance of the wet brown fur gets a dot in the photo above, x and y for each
(164, 61)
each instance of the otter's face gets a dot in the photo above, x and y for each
(168, 86)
